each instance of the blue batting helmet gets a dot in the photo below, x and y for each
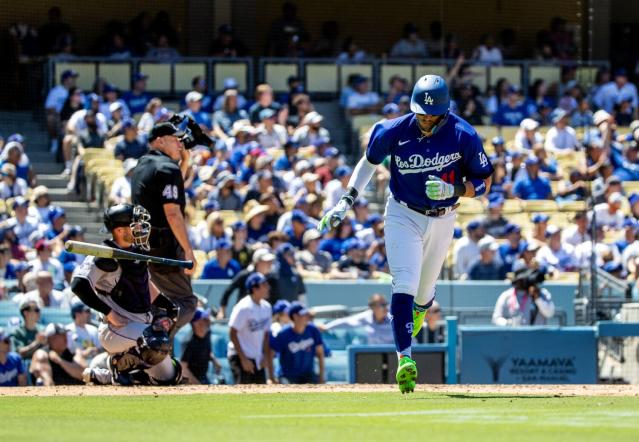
(430, 96)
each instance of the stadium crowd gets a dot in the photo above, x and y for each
(255, 196)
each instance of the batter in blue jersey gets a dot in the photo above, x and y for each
(436, 157)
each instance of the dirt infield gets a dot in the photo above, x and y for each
(555, 390)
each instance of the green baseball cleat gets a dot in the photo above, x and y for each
(418, 319)
(406, 375)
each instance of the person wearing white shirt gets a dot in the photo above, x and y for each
(487, 53)
(362, 101)
(335, 188)
(577, 233)
(121, 187)
(45, 263)
(583, 251)
(609, 214)
(557, 255)
(44, 294)
(82, 336)
(22, 224)
(375, 322)
(270, 134)
(54, 103)
(410, 46)
(528, 136)
(521, 305)
(561, 137)
(249, 351)
(612, 93)
(11, 185)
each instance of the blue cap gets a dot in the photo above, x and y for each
(352, 244)
(612, 267)
(514, 89)
(496, 201)
(557, 115)
(129, 123)
(284, 248)
(620, 72)
(55, 213)
(359, 79)
(18, 138)
(473, 225)
(634, 198)
(93, 97)
(532, 161)
(253, 280)
(161, 113)
(511, 228)
(140, 76)
(515, 154)
(540, 218)
(231, 83)
(238, 225)
(69, 267)
(22, 266)
(390, 108)
(331, 152)
(68, 74)
(267, 113)
(320, 141)
(297, 309)
(20, 201)
(211, 204)
(109, 87)
(375, 218)
(200, 313)
(458, 233)
(299, 216)
(629, 222)
(343, 171)
(222, 243)
(361, 202)
(497, 140)
(281, 306)
(430, 96)
(78, 307)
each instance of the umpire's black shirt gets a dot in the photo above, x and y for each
(157, 180)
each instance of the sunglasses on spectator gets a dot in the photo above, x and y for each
(36, 309)
(381, 304)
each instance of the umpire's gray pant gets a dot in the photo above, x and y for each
(177, 286)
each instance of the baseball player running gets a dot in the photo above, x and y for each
(436, 157)
(137, 317)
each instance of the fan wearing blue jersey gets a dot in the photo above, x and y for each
(435, 158)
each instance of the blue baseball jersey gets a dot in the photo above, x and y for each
(296, 351)
(10, 370)
(453, 153)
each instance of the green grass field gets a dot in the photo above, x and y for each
(320, 416)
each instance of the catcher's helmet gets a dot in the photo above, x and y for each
(120, 215)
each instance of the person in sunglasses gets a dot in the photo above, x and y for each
(374, 322)
(29, 336)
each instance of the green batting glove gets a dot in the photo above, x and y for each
(335, 216)
(437, 189)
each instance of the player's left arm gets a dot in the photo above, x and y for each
(478, 170)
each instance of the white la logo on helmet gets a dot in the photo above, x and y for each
(428, 99)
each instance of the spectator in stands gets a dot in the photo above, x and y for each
(137, 98)
(561, 137)
(534, 186)
(198, 84)
(540, 224)
(240, 250)
(226, 44)
(626, 161)
(312, 262)
(115, 119)
(270, 134)
(110, 95)
(624, 111)
(54, 103)
(57, 221)
(513, 111)
(548, 167)
(58, 365)
(121, 188)
(280, 317)
(523, 305)
(556, 255)
(299, 224)
(11, 186)
(603, 252)
(528, 136)
(578, 231)
(13, 153)
(502, 184)
(497, 96)
(41, 202)
(130, 146)
(286, 281)
(630, 232)
(351, 52)
(249, 351)
(23, 226)
(223, 266)
(609, 214)
(12, 370)
(510, 251)
(194, 110)
(352, 264)
(226, 193)
(283, 29)
(495, 222)
(470, 107)
(537, 97)
(45, 295)
(487, 53)
(230, 83)
(311, 131)
(213, 233)
(53, 32)
(582, 116)
(262, 262)
(633, 200)
(230, 112)
(298, 344)
(485, 268)
(612, 93)
(152, 112)
(29, 336)
(516, 169)
(163, 50)
(411, 45)
(336, 187)
(83, 336)
(44, 262)
(117, 47)
(197, 352)
(263, 100)
(397, 88)
(300, 106)
(362, 101)
(466, 249)
(375, 322)
(256, 222)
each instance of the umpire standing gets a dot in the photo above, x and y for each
(158, 186)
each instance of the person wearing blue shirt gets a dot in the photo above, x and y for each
(222, 266)
(509, 252)
(194, 110)
(295, 231)
(298, 344)
(513, 111)
(137, 98)
(198, 84)
(12, 371)
(130, 146)
(57, 219)
(532, 187)
(630, 232)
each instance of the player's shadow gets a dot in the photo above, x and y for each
(500, 396)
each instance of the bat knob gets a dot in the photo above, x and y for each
(188, 265)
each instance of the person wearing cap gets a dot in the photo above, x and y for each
(513, 111)
(337, 187)
(485, 268)
(611, 93)
(528, 136)
(299, 225)
(57, 365)
(311, 261)
(297, 346)
(12, 369)
(230, 85)
(249, 350)
(14, 153)
(77, 126)
(631, 227)
(410, 45)
(466, 249)
(57, 224)
(327, 170)
(21, 223)
(83, 336)
(46, 263)
(533, 186)
(556, 255)
(540, 224)
(226, 44)
(522, 305)
(158, 186)
(577, 232)
(362, 101)
(199, 84)
(10, 185)
(130, 146)
(121, 188)
(213, 233)
(263, 100)
(54, 103)
(270, 134)
(29, 336)
(223, 266)
(198, 352)
(240, 250)
(261, 262)
(44, 294)
(260, 184)
(112, 104)
(194, 110)
(280, 317)
(255, 220)
(625, 162)
(495, 222)
(310, 132)
(510, 250)
(286, 281)
(229, 113)
(41, 204)
(375, 322)
(352, 263)
(561, 137)
(609, 214)
(137, 98)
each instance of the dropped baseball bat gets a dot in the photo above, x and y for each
(85, 248)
